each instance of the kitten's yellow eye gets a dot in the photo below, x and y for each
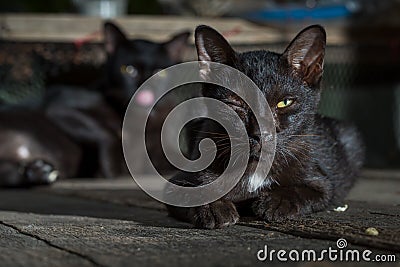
(285, 103)
(123, 68)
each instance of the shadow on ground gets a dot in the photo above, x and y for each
(31, 201)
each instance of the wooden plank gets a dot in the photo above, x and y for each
(18, 249)
(113, 242)
(47, 203)
(383, 190)
(381, 174)
(351, 225)
(69, 28)
(112, 234)
(380, 190)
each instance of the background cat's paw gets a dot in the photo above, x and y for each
(39, 172)
(277, 206)
(218, 214)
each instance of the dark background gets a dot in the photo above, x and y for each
(361, 80)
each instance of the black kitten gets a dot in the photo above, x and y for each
(316, 159)
(131, 62)
(79, 131)
(87, 119)
(93, 119)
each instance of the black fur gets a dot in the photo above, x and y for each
(34, 151)
(94, 118)
(129, 64)
(87, 118)
(142, 57)
(77, 131)
(317, 158)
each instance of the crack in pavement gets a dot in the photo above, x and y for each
(384, 214)
(82, 256)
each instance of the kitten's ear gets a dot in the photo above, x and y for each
(113, 37)
(212, 46)
(305, 54)
(177, 45)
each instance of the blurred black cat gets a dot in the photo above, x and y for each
(131, 62)
(94, 118)
(316, 159)
(78, 132)
(33, 150)
(87, 118)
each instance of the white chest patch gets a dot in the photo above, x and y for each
(23, 152)
(258, 181)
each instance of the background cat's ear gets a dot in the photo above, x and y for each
(113, 37)
(177, 45)
(305, 54)
(212, 46)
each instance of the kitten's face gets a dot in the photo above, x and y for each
(289, 82)
(131, 62)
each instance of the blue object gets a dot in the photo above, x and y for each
(300, 13)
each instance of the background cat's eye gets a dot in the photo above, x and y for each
(129, 70)
(285, 103)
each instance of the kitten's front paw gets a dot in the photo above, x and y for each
(218, 214)
(278, 205)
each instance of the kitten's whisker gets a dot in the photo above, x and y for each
(297, 153)
(212, 137)
(304, 153)
(300, 147)
(215, 133)
(293, 156)
(223, 141)
(284, 157)
(224, 152)
(304, 135)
